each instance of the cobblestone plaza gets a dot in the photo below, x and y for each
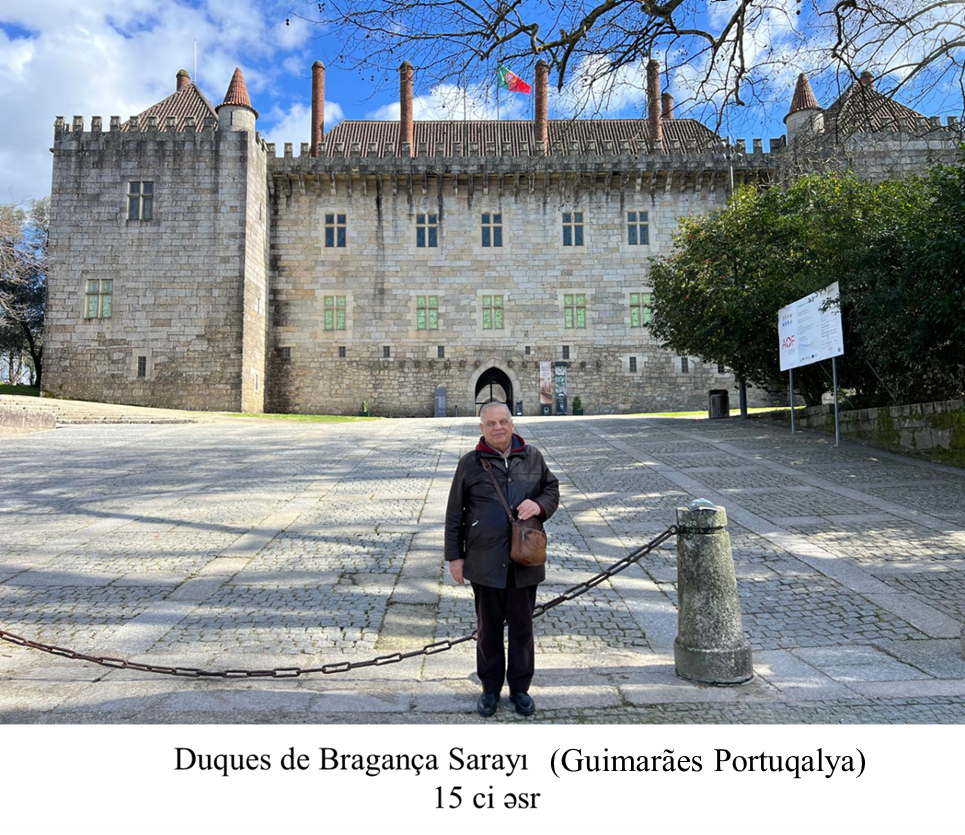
(259, 544)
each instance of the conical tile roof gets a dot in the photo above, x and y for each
(237, 94)
(804, 98)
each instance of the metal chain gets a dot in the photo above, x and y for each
(342, 666)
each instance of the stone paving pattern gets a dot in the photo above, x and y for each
(263, 544)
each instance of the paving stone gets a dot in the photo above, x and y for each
(302, 545)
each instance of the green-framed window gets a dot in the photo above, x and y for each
(574, 310)
(492, 313)
(640, 315)
(427, 313)
(99, 299)
(335, 313)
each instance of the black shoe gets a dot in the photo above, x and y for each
(487, 704)
(525, 706)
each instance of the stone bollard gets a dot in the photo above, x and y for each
(710, 647)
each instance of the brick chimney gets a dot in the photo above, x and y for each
(183, 79)
(318, 106)
(405, 105)
(667, 109)
(653, 99)
(541, 127)
(867, 79)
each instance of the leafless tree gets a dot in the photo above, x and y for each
(723, 53)
(23, 281)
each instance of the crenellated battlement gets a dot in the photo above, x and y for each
(375, 158)
(74, 132)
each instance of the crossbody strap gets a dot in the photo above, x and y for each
(489, 469)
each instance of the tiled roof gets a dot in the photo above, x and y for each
(238, 92)
(188, 101)
(862, 108)
(804, 98)
(690, 134)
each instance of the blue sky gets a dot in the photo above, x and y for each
(117, 57)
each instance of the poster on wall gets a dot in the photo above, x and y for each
(560, 380)
(545, 384)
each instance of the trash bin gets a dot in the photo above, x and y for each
(719, 404)
(519, 407)
(545, 409)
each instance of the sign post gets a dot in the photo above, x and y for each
(809, 330)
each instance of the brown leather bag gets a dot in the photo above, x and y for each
(528, 538)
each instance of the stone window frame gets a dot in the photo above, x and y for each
(338, 227)
(98, 297)
(577, 228)
(573, 335)
(491, 222)
(492, 333)
(491, 253)
(572, 306)
(143, 198)
(630, 360)
(132, 367)
(340, 335)
(412, 317)
(330, 304)
(637, 228)
(683, 365)
(496, 310)
(428, 227)
(643, 308)
(426, 308)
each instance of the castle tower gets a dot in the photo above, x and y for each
(236, 112)
(806, 116)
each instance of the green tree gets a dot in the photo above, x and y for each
(23, 281)
(896, 248)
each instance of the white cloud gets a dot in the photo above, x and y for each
(117, 57)
(450, 102)
(293, 34)
(295, 124)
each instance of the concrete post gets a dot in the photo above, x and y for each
(710, 647)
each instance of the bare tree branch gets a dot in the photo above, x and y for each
(724, 54)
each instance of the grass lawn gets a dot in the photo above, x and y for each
(302, 418)
(22, 391)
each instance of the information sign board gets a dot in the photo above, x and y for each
(808, 332)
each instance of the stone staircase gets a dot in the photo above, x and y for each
(45, 413)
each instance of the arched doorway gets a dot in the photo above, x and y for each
(494, 384)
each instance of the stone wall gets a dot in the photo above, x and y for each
(24, 419)
(177, 292)
(254, 375)
(873, 155)
(381, 273)
(922, 426)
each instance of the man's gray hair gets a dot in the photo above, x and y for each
(490, 405)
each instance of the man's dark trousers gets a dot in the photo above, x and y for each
(493, 608)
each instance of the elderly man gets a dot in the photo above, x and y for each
(478, 536)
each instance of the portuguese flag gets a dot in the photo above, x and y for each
(512, 82)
